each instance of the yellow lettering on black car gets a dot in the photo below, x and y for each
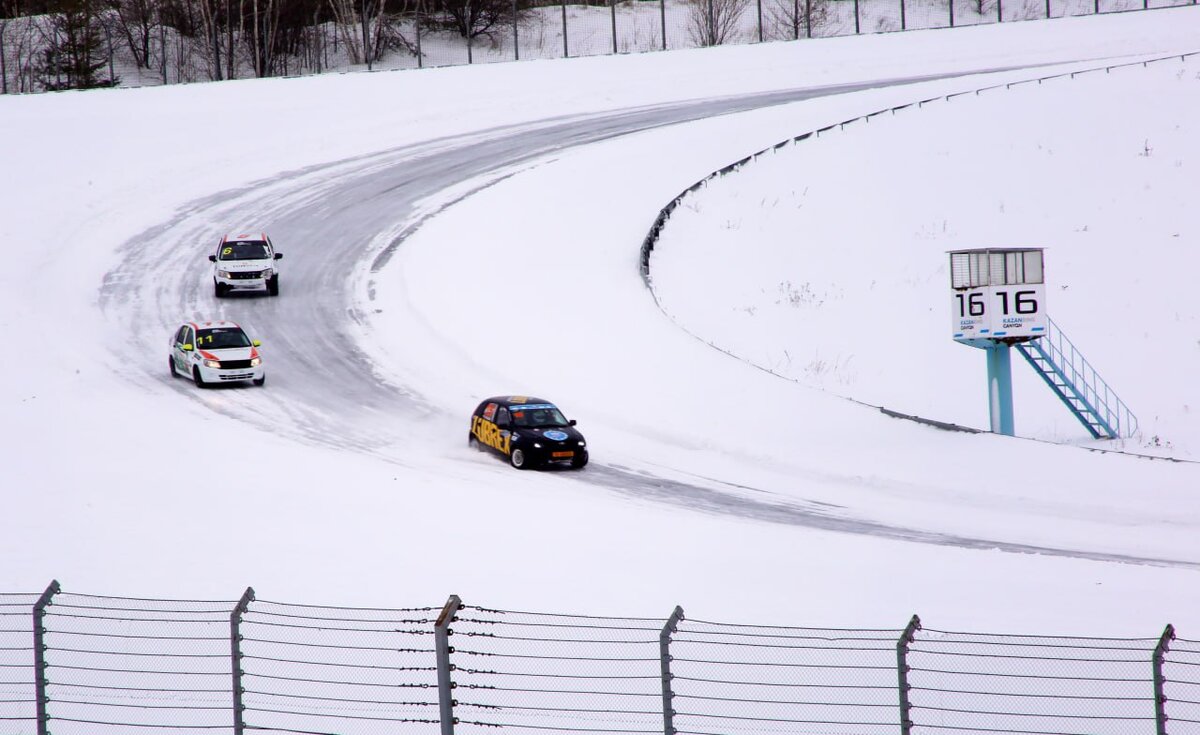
(488, 433)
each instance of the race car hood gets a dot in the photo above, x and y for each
(553, 433)
(229, 353)
(238, 266)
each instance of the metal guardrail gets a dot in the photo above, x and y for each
(1122, 416)
(119, 665)
(664, 213)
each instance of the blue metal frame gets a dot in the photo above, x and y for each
(1000, 393)
(1078, 385)
(1044, 365)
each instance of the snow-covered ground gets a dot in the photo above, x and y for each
(118, 481)
(831, 265)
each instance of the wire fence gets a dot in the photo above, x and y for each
(308, 668)
(130, 48)
(89, 664)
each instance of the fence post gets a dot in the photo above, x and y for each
(417, 25)
(235, 658)
(662, 18)
(564, 16)
(951, 5)
(612, 4)
(516, 41)
(4, 68)
(857, 29)
(664, 653)
(903, 24)
(441, 636)
(39, 654)
(906, 637)
(760, 28)
(1160, 698)
(366, 34)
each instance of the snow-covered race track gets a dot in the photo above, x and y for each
(344, 229)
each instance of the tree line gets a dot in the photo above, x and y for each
(48, 45)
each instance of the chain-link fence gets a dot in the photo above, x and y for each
(542, 672)
(74, 664)
(18, 691)
(310, 668)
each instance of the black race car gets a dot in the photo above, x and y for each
(529, 431)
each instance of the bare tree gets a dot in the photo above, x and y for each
(260, 41)
(209, 20)
(984, 7)
(20, 42)
(136, 21)
(714, 22)
(344, 17)
(791, 19)
(388, 34)
(472, 18)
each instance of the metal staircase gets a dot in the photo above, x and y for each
(1077, 385)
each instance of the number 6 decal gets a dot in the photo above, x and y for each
(1026, 303)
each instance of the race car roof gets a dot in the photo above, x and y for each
(221, 324)
(511, 401)
(240, 236)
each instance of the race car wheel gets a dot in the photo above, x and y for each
(219, 289)
(198, 379)
(580, 462)
(260, 381)
(518, 459)
(473, 443)
(273, 285)
(171, 366)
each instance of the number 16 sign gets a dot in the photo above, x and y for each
(997, 295)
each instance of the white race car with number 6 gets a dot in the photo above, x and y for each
(215, 352)
(246, 261)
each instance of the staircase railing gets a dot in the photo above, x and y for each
(1080, 377)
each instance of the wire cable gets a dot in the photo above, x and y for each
(887, 687)
(338, 646)
(558, 625)
(226, 604)
(375, 667)
(332, 629)
(257, 603)
(559, 658)
(340, 699)
(1045, 677)
(561, 615)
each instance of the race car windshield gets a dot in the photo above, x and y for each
(244, 250)
(221, 338)
(537, 417)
